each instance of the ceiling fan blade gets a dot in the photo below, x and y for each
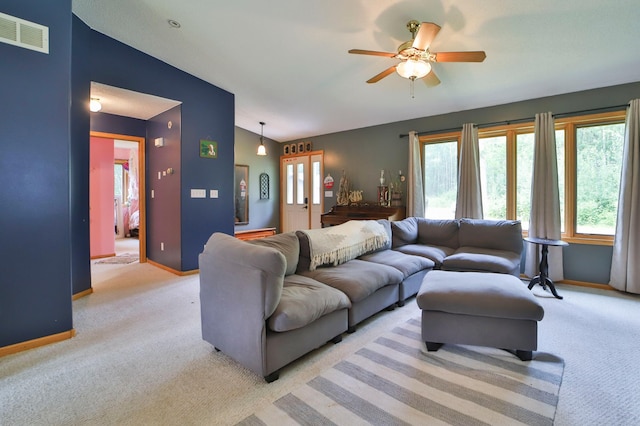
(372, 52)
(426, 33)
(477, 56)
(431, 79)
(382, 75)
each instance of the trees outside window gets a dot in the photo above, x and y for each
(589, 152)
(441, 179)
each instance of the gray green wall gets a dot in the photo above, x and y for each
(263, 213)
(362, 153)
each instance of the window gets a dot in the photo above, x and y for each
(493, 176)
(589, 152)
(289, 169)
(441, 179)
(316, 183)
(598, 168)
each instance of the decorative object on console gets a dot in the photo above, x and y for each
(396, 190)
(383, 195)
(343, 191)
(355, 196)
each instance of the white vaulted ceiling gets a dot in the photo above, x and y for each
(286, 61)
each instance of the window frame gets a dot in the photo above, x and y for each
(569, 125)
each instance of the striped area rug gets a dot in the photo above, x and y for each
(395, 381)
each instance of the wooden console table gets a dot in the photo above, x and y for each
(252, 234)
(360, 211)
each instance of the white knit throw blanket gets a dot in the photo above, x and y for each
(338, 244)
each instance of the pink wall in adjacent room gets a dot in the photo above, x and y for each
(101, 218)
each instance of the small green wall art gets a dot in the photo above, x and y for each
(208, 149)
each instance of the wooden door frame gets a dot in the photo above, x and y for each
(282, 191)
(142, 197)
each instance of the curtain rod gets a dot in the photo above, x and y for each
(524, 120)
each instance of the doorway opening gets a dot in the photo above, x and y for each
(129, 208)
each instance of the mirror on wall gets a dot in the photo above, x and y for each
(241, 192)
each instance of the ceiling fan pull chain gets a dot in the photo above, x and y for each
(411, 91)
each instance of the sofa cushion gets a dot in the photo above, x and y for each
(492, 234)
(483, 260)
(287, 244)
(478, 293)
(434, 253)
(386, 224)
(438, 232)
(405, 263)
(303, 301)
(226, 259)
(357, 278)
(404, 232)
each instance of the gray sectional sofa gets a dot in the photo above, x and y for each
(267, 302)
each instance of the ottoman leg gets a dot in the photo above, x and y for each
(433, 346)
(524, 355)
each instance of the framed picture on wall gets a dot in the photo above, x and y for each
(293, 148)
(286, 150)
(300, 147)
(308, 146)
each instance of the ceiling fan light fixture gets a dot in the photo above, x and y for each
(95, 105)
(413, 69)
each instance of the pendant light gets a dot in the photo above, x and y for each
(261, 149)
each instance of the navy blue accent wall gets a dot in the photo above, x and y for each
(35, 218)
(109, 123)
(207, 112)
(163, 178)
(79, 154)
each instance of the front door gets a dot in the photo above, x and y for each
(301, 201)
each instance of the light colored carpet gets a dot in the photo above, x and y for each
(394, 380)
(138, 358)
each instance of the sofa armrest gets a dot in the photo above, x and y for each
(240, 287)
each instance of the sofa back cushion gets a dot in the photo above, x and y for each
(287, 244)
(387, 227)
(438, 232)
(231, 268)
(404, 232)
(492, 234)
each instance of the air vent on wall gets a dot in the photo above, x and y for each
(19, 32)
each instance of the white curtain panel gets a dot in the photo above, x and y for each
(415, 189)
(625, 268)
(469, 198)
(544, 219)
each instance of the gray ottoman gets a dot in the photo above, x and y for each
(479, 308)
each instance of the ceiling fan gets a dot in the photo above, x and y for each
(416, 58)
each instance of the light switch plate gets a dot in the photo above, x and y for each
(198, 193)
